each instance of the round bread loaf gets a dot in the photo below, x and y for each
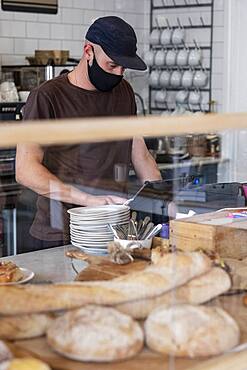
(193, 331)
(95, 333)
(27, 363)
(24, 326)
(5, 353)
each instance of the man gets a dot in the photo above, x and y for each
(73, 175)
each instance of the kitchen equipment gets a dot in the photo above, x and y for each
(138, 192)
(166, 36)
(182, 57)
(89, 228)
(149, 58)
(187, 79)
(176, 145)
(160, 96)
(154, 38)
(180, 51)
(176, 78)
(8, 92)
(182, 96)
(56, 56)
(171, 57)
(160, 58)
(178, 36)
(200, 79)
(23, 95)
(164, 80)
(197, 145)
(195, 57)
(195, 97)
(154, 79)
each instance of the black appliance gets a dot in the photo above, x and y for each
(9, 188)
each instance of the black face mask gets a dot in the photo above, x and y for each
(102, 80)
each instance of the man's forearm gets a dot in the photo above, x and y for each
(43, 182)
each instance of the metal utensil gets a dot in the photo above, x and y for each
(146, 231)
(134, 228)
(143, 226)
(134, 197)
(134, 215)
(113, 231)
(154, 232)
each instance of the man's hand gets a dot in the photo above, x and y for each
(100, 200)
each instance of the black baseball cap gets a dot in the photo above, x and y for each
(118, 40)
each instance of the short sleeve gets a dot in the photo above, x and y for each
(38, 106)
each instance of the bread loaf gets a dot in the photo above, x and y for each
(5, 353)
(193, 331)
(171, 271)
(245, 300)
(24, 326)
(95, 333)
(198, 290)
(27, 364)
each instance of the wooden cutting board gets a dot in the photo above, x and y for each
(212, 232)
(101, 268)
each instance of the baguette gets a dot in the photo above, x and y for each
(170, 271)
(24, 326)
(198, 290)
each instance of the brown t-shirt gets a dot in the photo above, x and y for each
(89, 166)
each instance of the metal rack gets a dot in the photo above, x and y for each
(188, 4)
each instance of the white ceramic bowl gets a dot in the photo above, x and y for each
(146, 243)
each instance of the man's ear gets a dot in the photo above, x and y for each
(88, 52)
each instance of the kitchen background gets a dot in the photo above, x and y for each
(23, 33)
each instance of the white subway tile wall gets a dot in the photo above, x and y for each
(27, 32)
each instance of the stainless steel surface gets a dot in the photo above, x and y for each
(49, 265)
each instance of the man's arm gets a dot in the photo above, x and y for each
(31, 173)
(144, 164)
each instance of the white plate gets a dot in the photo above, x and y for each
(96, 210)
(94, 251)
(91, 238)
(101, 222)
(81, 243)
(27, 276)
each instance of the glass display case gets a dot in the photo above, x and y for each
(165, 241)
(27, 77)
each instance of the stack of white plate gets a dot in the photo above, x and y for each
(89, 229)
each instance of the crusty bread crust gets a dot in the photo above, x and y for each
(94, 333)
(24, 326)
(198, 290)
(171, 271)
(191, 331)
